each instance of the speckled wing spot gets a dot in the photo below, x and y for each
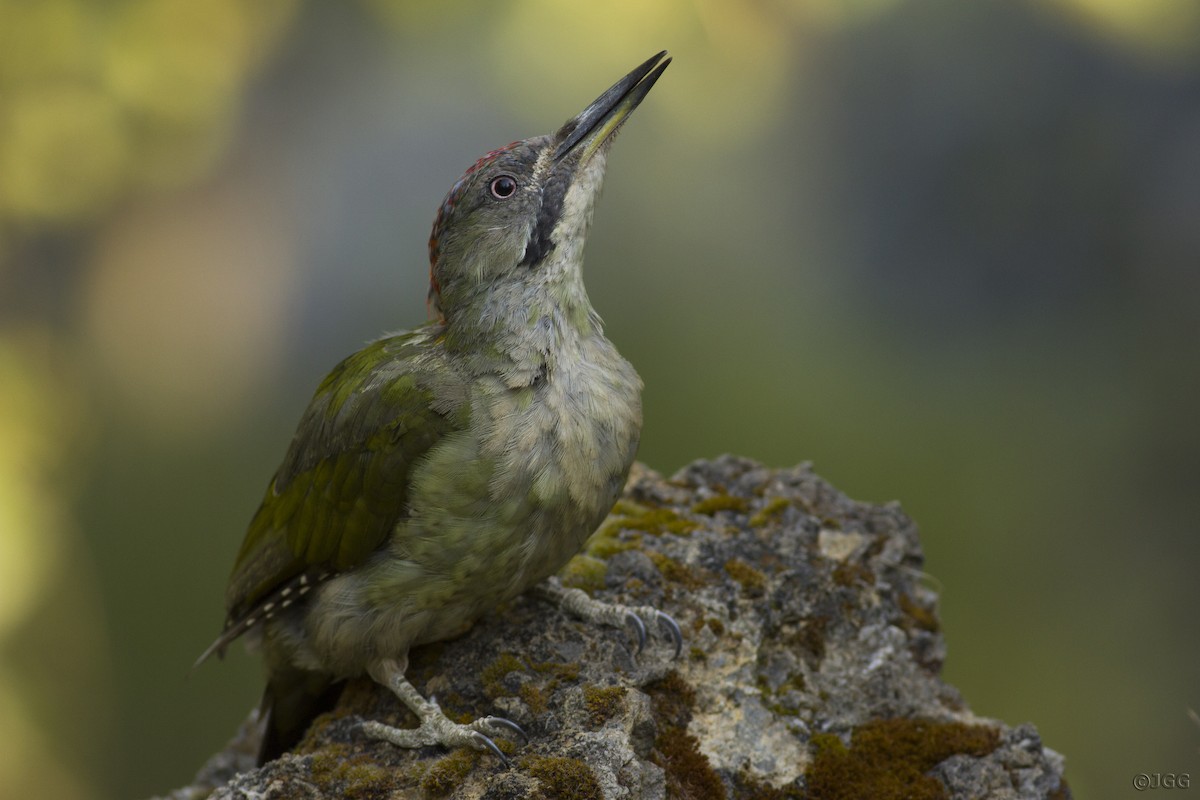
(267, 609)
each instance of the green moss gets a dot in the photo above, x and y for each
(558, 670)
(563, 778)
(716, 626)
(493, 674)
(847, 574)
(697, 653)
(673, 699)
(354, 777)
(889, 759)
(917, 615)
(607, 542)
(812, 635)
(654, 521)
(770, 511)
(329, 758)
(794, 683)
(753, 582)
(721, 502)
(314, 739)
(628, 508)
(687, 770)
(675, 571)
(584, 572)
(456, 707)
(602, 702)
(363, 780)
(448, 772)
(533, 696)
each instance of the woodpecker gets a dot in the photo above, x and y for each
(441, 471)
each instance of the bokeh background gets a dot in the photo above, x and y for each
(948, 251)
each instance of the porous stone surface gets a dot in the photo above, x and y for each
(809, 670)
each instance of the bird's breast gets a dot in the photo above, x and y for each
(541, 465)
(494, 508)
(564, 446)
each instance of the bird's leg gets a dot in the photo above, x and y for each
(576, 602)
(435, 727)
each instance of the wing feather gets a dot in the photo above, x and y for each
(342, 486)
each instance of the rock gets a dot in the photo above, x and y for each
(809, 670)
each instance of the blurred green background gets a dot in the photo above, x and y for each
(948, 251)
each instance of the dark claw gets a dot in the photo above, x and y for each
(490, 745)
(671, 627)
(636, 621)
(512, 726)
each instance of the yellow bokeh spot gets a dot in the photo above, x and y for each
(1161, 29)
(733, 57)
(38, 420)
(63, 151)
(97, 99)
(179, 67)
(45, 39)
(29, 765)
(174, 59)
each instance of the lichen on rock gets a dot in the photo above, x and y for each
(812, 657)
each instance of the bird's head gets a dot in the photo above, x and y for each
(518, 217)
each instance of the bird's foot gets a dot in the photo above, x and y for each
(435, 728)
(577, 602)
(439, 729)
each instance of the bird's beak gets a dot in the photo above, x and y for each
(596, 125)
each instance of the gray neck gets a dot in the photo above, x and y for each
(521, 327)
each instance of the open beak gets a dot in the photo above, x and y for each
(596, 125)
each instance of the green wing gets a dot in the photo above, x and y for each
(343, 485)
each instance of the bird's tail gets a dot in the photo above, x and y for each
(292, 700)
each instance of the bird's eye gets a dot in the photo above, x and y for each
(504, 187)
